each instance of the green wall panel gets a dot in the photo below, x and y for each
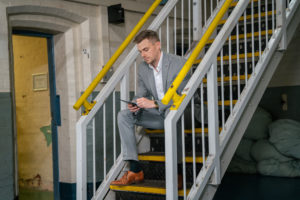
(272, 102)
(6, 148)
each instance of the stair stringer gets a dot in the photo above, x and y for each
(244, 120)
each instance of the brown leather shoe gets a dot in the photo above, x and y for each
(129, 178)
(180, 182)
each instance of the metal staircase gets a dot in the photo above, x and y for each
(240, 44)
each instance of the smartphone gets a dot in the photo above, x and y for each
(130, 102)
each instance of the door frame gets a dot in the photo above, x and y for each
(54, 104)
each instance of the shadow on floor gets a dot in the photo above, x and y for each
(250, 187)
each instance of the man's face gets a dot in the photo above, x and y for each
(150, 51)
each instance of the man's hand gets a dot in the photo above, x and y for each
(146, 103)
(132, 108)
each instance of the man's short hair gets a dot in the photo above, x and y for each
(146, 34)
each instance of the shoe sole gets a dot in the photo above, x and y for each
(136, 182)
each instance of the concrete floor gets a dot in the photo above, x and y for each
(233, 187)
(32, 194)
(250, 187)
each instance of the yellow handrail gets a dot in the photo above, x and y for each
(171, 93)
(83, 99)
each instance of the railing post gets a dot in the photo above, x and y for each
(171, 157)
(81, 165)
(281, 23)
(213, 121)
(124, 90)
(197, 20)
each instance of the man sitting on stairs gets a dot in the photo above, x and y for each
(155, 76)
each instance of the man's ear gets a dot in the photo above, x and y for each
(157, 44)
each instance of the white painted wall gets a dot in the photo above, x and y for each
(4, 59)
(74, 69)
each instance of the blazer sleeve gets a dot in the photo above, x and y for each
(142, 90)
(162, 107)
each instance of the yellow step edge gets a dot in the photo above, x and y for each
(161, 158)
(144, 189)
(262, 14)
(227, 78)
(233, 57)
(226, 102)
(197, 130)
(242, 36)
(241, 56)
(235, 3)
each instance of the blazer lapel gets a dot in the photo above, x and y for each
(165, 70)
(152, 82)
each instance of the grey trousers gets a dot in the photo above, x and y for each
(148, 118)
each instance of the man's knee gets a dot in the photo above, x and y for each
(124, 115)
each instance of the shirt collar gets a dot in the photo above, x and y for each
(159, 65)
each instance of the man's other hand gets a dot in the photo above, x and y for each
(132, 108)
(146, 103)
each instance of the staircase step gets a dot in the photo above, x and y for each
(244, 67)
(248, 9)
(233, 57)
(233, 4)
(242, 36)
(155, 187)
(249, 27)
(241, 47)
(157, 143)
(263, 14)
(227, 78)
(156, 170)
(188, 131)
(226, 102)
(160, 157)
(227, 89)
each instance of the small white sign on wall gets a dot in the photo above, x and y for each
(40, 81)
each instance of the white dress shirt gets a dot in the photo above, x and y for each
(157, 72)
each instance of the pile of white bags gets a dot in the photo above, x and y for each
(269, 148)
(285, 136)
(264, 150)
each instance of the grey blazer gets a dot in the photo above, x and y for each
(171, 65)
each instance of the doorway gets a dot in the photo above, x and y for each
(37, 115)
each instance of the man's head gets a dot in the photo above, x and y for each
(148, 44)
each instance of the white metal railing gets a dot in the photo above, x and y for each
(92, 130)
(238, 55)
(98, 157)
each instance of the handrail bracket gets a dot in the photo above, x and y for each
(88, 106)
(177, 100)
